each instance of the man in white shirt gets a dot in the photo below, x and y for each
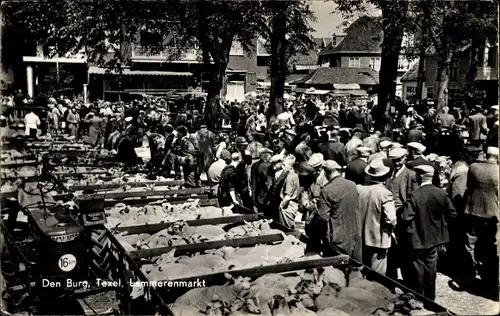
(31, 123)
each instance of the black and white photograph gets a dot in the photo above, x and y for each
(249, 157)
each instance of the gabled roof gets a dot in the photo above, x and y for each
(411, 74)
(364, 35)
(339, 75)
(322, 42)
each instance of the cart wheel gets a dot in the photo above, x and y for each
(100, 253)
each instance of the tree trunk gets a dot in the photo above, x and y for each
(473, 64)
(422, 54)
(278, 67)
(391, 47)
(219, 51)
(444, 80)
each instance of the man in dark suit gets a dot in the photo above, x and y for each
(338, 209)
(414, 134)
(355, 170)
(426, 217)
(333, 149)
(261, 179)
(416, 154)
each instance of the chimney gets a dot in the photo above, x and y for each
(337, 38)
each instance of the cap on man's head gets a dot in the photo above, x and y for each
(425, 169)
(417, 146)
(331, 165)
(290, 132)
(396, 153)
(357, 130)
(363, 151)
(240, 141)
(492, 151)
(265, 150)
(396, 145)
(385, 144)
(128, 119)
(277, 158)
(494, 107)
(316, 160)
(410, 109)
(225, 154)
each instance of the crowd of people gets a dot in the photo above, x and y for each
(375, 194)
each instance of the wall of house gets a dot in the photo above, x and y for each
(364, 61)
(409, 88)
(456, 82)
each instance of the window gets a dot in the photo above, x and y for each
(454, 70)
(354, 62)
(375, 63)
(236, 49)
(410, 91)
(263, 61)
(430, 93)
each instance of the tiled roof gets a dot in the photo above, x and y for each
(411, 74)
(310, 58)
(364, 35)
(322, 42)
(339, 75)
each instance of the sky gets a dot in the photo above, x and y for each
(328, 22)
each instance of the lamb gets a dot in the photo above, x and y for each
(213, 262)
(200, 297)
(166, 271)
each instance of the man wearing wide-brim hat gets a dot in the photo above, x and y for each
(376, 204)
(426, 215)
(416, 156)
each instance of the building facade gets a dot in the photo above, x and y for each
(150, 71)
(485, 83)
(360, 47)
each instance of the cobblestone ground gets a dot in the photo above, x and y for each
(463, 303)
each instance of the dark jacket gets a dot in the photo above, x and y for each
(261, 181)
(228, 182)
(334, 151)
(414, 135)
(356, 171)
(338, 206)
(427, 215)
(421, 161)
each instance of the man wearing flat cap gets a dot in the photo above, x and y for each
(355, 170)
(426, 217)
(377, 212)
(337, 210)
(261, 178)
(401, 183)
(480, 222)
(384, 147)
(215, 171)
(416, 155)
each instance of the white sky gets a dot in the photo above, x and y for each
(327, 20)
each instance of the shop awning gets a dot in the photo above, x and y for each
(350, 86)
(128, 72)
(350, 92)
